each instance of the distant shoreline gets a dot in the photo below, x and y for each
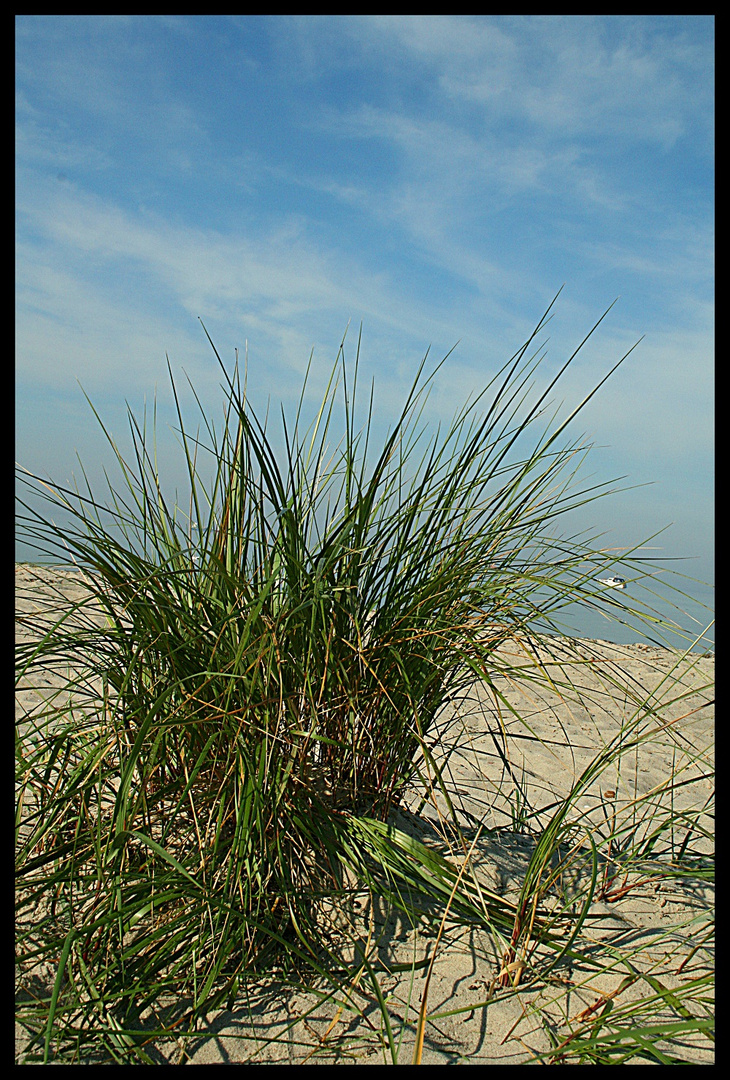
(69, 569)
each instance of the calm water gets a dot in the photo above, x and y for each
(692, 613)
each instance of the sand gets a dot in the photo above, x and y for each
(488, 756)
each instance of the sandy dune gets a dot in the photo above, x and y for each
(501, 772)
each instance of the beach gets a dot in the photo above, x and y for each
(508, 754)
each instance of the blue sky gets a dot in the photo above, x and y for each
(435, 178)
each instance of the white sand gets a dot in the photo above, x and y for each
(470, 1020)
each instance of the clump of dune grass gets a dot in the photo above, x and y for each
(256, 683)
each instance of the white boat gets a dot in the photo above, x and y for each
(613, 582)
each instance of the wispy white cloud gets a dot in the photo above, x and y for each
(450, 174)
(87, 276)
(570, 75)
(555, 154)
(86, 262)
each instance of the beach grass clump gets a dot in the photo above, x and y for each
(256, 682)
